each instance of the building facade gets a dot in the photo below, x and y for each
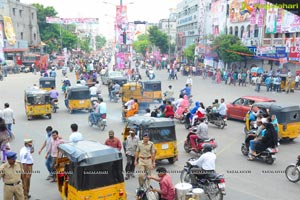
(24, 22)
(168, 26)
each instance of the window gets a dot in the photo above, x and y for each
(20, 12)
(288, 35)
(248, 31)
(22, 35)
(236, 31)
(14, 11)
(34, 36)
(242, 31)
(256, 31)
(298, 34)
(230, 30)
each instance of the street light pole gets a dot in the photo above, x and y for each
(169, 40)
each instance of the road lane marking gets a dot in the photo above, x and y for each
(226, 147)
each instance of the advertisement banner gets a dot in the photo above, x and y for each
(56, 20)
(121, 60)
(9, 30)
(271, 52)
(289, 22)
(121, 22)
(240, 10)
(294, 53)
(2, 58)
(271, 20)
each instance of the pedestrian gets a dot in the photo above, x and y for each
(112, 141)
(11, 172)
(267, 83)
(258, 83)
(27, 163)
(297, 79)
(240, 78)
(167, 190)
(189, 81)
(75, 136)
(4, 140)
(144, 158)
(53, 152)
(47, 144)
(244, 77)
(8, 116)
(130, 149)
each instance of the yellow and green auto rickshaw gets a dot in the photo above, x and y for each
(88, 170)
(161, 132)
(78, 98)
(46, 83)
(144, 91)
(287, 81)
(37, 103)
(288, 117)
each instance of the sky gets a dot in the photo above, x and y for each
(142, 10)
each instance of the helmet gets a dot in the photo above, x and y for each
(207, 147)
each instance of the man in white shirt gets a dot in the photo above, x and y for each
(83, 82)
(27, 162)
(222, 110)
(8, 116)
(206, 163)
(75, 136)
(93, 90)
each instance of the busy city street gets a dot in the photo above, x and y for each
(244, 179)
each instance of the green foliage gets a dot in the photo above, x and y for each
(141, 45)
(100, 41)
(231, 43)
(55, 34)
(159, 39)
(85, 44)
(189, 53)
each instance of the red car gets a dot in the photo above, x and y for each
(239, 108)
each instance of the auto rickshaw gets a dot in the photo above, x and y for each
(89, 170)
(288, 117)
(284, 82)
(161, 132)
(144, 91)
(78, 98)
(37, 103)
(46, 83)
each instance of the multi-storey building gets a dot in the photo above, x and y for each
(168, 26)
(24, 22)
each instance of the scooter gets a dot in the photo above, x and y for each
(216, 118)
(292, 172)
(212, 183)
(267, 155)
(188, 147)
(54, 105)
(100, 121)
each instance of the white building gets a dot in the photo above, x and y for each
(168, 26)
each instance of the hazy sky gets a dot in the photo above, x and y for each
(143, 10)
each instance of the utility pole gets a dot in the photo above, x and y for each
(169, 41)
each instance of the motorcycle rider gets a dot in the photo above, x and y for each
(93, 91)
(52, 72)
(151, 74)
(178, 101)
(205, 164)
(201, 133)
(169, 94)
(100, 111)
(186, 90)
(53, 94)
(194, 110)
(114, 90)
(222, 109)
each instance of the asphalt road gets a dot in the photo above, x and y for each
(244, 179)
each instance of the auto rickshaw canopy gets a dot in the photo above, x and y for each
(87, 153)
(78, 92)
(36, 96)
(150, 122)
(47, 82)
(284, 113)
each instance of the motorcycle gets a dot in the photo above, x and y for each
(215, 118)
(145, 192)
(94, 98)
(292, 172)
(267, 155)
(213, 184)
(188, 121)
(116, 97)
(181, 117)
(54, 105)
(188, 147)
(100, 121)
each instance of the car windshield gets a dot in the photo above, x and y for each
(115, 74)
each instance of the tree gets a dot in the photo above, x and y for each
(189, 53)
(159, 39)
(100, 41)
(226, 45)
(141, 44)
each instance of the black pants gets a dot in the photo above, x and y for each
(130, 165)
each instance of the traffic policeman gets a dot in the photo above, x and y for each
(11, 173)
(145, 157)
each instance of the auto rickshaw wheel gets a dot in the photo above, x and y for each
(172, 160)
(29, 118)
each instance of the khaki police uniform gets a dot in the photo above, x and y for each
(11, 175)
(145, 150)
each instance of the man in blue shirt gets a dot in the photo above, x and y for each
(267, 83)
(186, 90)
(53, 94)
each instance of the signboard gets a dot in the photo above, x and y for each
(238, 12)
(294, 53)
(1, 45)
(271, 52)
(9, 30)
(56, 20)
